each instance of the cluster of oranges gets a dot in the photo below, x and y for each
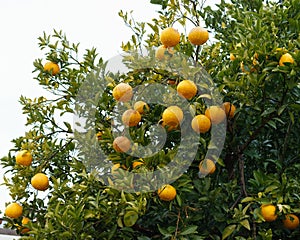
(172, 116)
(284, 58)
(268, 211)
(39, 181)
(170, 37)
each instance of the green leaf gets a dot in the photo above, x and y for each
(247, 199)
(245, 224)
(130, 218)
(228, 231)
(189, 230)
(163, 231)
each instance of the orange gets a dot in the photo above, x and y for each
(187, 89)
(268, 211)
(198, 36)
(215, 114)
(40, 181)
(169, 37)
(121, 144)
(162, 52)
(51, 67)
(229, 109)
(207, 166)
(137, 163)
(171, 82)
(172, 116)
(14, 210)
(168, 127)
(122, 92)
(131, 117)
(243, 69)
(167, 192)
(291, 221)
(232, 57)
(25, 221)
(24, 158)
(99, 135)
(286, 58)
(201, 124)
(141, 106)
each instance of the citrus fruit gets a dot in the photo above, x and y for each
(187, 89)
(122, 92)
(99, 135)
(291, 221)
(201, 123)
(166, 192)
(168, 127)
(141, 106)
(25, 221)
(229, 109)
(51, 67)
(131, 117)
(24, 158)
(286, 58)
(268, 211)
(13, 210)
(198, 36)
(169, 37)
(121, 144)
(232, 57)
(207, 166)
(137, 163)
(162, 52)
(172, 116)
(215, 114)
(40, 181)
(243, 69)
(171, 82)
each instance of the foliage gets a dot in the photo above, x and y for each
(259, 162)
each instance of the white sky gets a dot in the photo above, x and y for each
(93, 23)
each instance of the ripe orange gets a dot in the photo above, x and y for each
(215, 114)
(25, 221)
(168, 127)
(198, 36)
(141, 106)
(172, 116)
(40, 181)
(13, 210)
(171, 82)
(229, 109)
(243, 69)
(24, 158)
(167, 192)
(207, 166)
(232, 57)
(162, 52)
(291, 221)
(121, 144)
(169, 37)
(99, 135)
(201, 124)
(131, 117)
(286, 58)
(268, 211)
(187, 89)
(52, 67)
(122, 92)
(137, 163)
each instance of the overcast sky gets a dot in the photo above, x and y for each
(93, 23)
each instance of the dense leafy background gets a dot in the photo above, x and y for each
(259, 164)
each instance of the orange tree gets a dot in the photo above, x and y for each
(248, 191)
